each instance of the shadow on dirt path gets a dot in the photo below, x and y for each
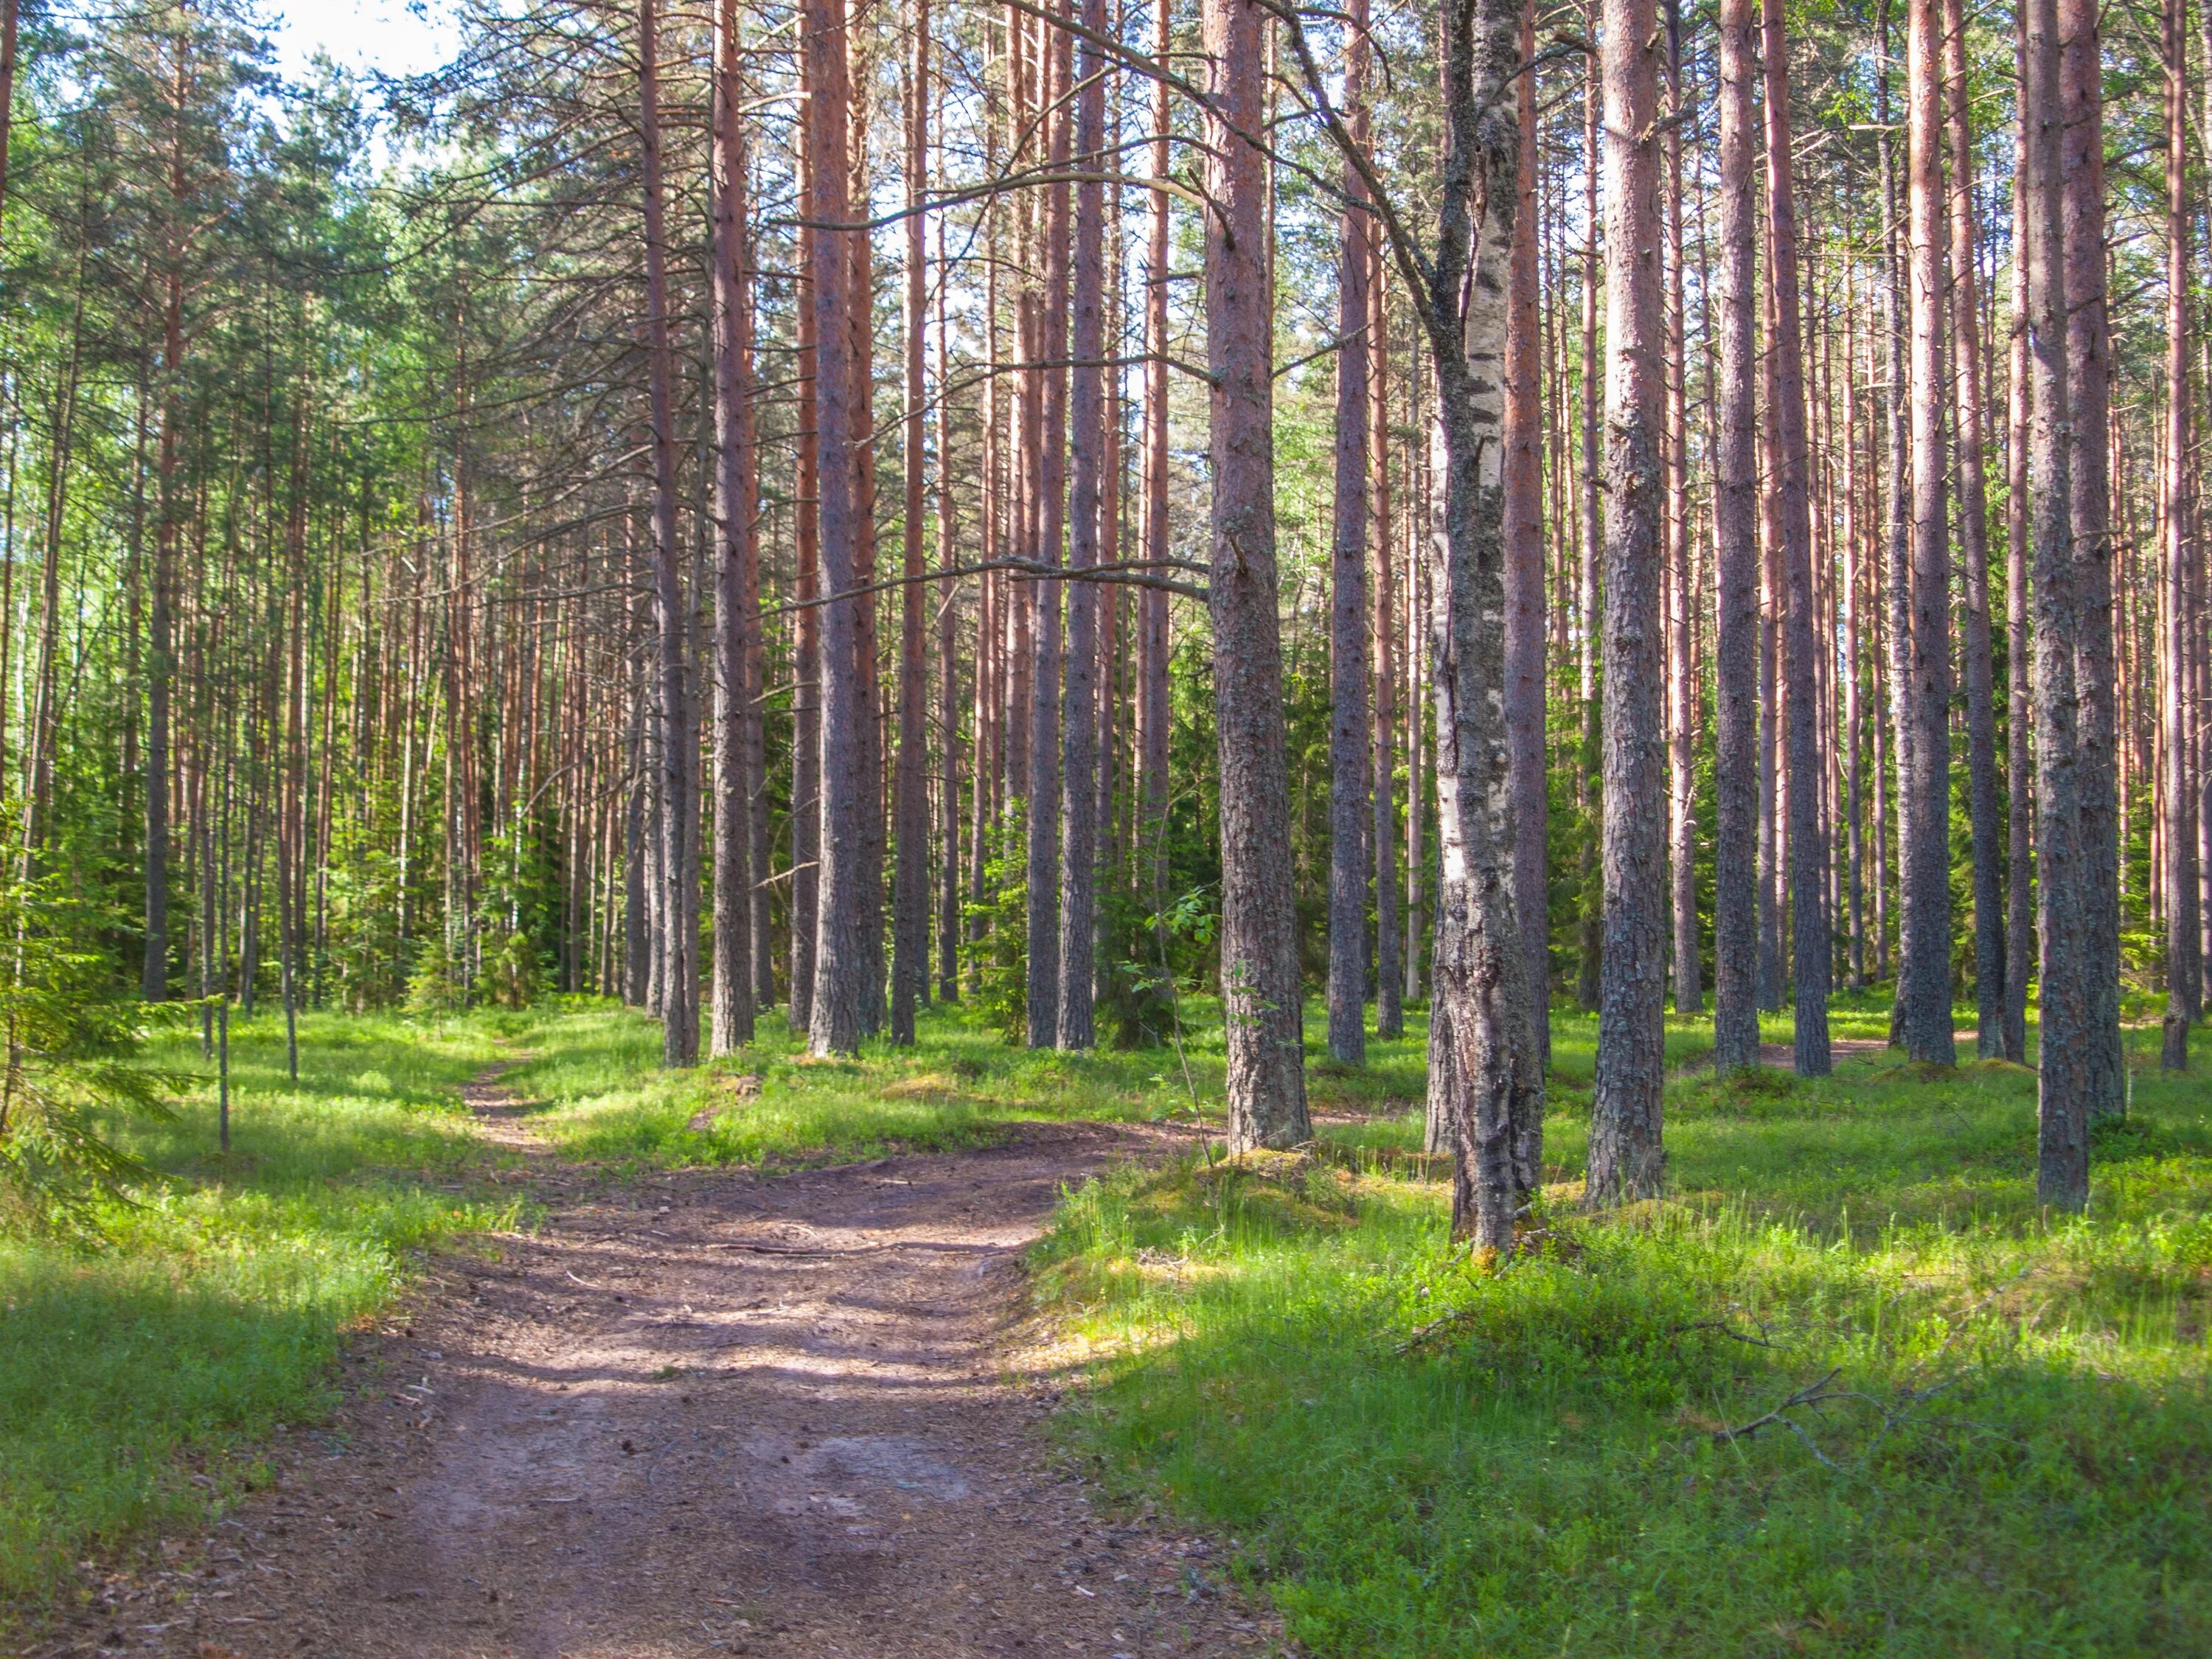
(705, 1413)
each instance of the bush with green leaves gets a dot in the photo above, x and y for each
(68, 1064)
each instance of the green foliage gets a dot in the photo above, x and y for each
(997, 962)
(514, 971)
(2004, 1429)
(66, 1049)
(437, 985)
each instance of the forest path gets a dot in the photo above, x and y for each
(708, 1412)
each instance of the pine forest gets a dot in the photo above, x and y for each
(1170, 826)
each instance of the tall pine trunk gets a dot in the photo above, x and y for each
(2089, 370)
(1349, 806)
(1525, 681)
(1974, 550)
(1736, 508)
(843, 914)
(1266, 1094)
(1925, 980)
(2069, 994)
(1626, 1160)
(910, 794)
(1812, 942)
(2183, 964)
(736, 581)
(1074, 1024)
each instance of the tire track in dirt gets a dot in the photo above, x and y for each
(703, 1414)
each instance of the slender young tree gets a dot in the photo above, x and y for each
(737, 546)
(1348, 812)
(1626, 1160)
(2019, 877)
(1965, 317)
(1812, 942)
(2184, 965)
(1153, 602)
(842, 917)
(1736, 508)
(2067, 996)
(1923, 996)
(1525, 666)
(2089, 369)
(1076, 1026)
(910, 795)
(1681, 601)
(679, 1005)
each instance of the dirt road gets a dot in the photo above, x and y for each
(706, 1413)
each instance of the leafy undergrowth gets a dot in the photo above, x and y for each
(595, 1082)
(2001, 1442)
(213, 1309)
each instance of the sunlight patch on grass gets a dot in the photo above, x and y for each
(2003, 1442)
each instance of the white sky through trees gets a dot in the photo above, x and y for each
(399, 37)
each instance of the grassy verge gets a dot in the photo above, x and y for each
(595, 1081)
(2002, 1443)
(213, 1312)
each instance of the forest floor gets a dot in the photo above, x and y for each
(488, 1337)
(701, 1411)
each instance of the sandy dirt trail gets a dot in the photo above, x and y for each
(711, 1412)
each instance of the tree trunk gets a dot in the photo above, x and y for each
(843, 914)
(2184, 965)
(1153, 602)
(948, 671)
(1974, 550)
(806, 621)
(2068, 994)
(1390, 949)
(1924, 985)
(2020, 871)
(1075, 1026)
(1590, 947)
(2089, 367)
(1812, 942)
(1267, 1095)
(735, 622)
(1626, 1160)
(1681, 604)
(680, 1014)
(1736, 914)
(1049, 525)
(910, 800)
(1524, 507)
(1349, 806)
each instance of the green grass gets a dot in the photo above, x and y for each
(2013, 1455)
(597, 1094)
(1417, 1458)
(131, 1374)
